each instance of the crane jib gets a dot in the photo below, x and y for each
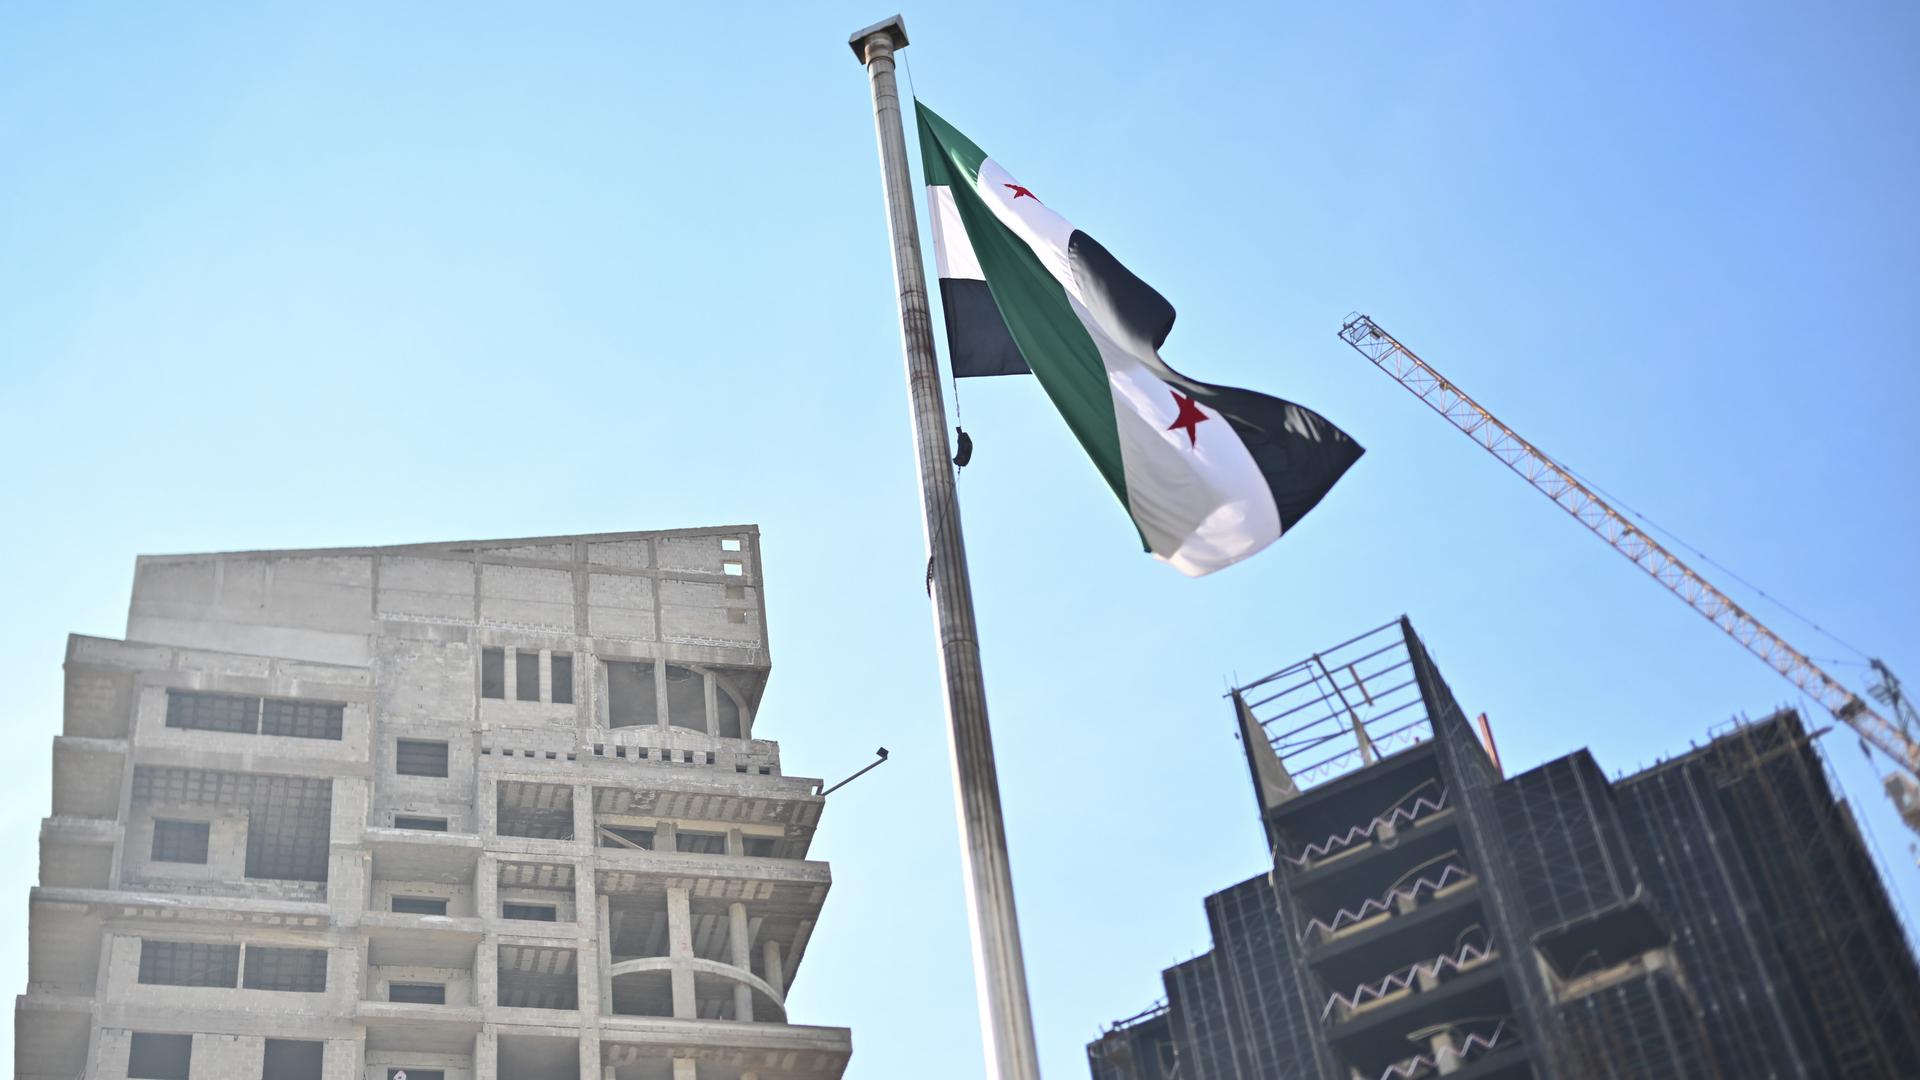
(1587, 507)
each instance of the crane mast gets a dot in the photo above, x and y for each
(1895, 740)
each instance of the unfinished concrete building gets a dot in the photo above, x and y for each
(453, 811)
(1717, 915)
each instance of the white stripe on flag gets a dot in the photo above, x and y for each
(953, 256)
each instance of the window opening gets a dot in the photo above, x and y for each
(293, 1059)
(493, 672)
(562, 664)
(213, 712)
(733, 568)
(159, 1057)
(419, 905)
(417, 993)
(530, 912)
(180, 841)
(736, 592)
(189, 963)
(295, 719)
(420, 824)
(728, 713)
(686, 698)
(760, 847)
(398, 1073)
(630, 694)
(420, 757)
(526, 674)
(730, 543)
(301, 971)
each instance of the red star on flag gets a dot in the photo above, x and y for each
(1190, 417)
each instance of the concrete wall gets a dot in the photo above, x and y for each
(396, 636)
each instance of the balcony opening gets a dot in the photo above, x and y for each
(419, 824)
(700, 843)
(536, 977)
(539, 811)
(418, 905)
(626, 836)
(530, 912)
(643, 993)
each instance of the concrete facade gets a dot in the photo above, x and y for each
(463, 810)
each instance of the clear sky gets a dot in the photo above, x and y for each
(308, 275)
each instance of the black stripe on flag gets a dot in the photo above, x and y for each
(978, 342)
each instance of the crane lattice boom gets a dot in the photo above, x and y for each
(1556, 483)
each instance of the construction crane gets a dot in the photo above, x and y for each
(1894, 739)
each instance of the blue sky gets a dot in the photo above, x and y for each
(299, 276)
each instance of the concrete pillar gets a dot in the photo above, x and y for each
(486, 797)
(683, 1069)
(666, 836)
(712, 706)
(587, 943)
(590, 1055)
(680, 950)
(344, 1059)
(486, 1051)
(660, 690)
(775, 967)
(486, 888)
(583, 815)
(604, 924)
(736, 843)
(510, 660)
(739, 944)
(486, 974)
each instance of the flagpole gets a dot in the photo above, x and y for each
(1000, 976)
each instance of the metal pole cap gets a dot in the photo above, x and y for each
(895, 28)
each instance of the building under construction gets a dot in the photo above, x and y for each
(1717, 915)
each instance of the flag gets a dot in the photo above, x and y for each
(1209, 474)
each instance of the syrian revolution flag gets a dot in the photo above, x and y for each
(1210, 474)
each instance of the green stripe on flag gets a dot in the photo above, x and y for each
(1036, 308)
(949, 158)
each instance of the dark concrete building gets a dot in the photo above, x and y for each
(1716, 915)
